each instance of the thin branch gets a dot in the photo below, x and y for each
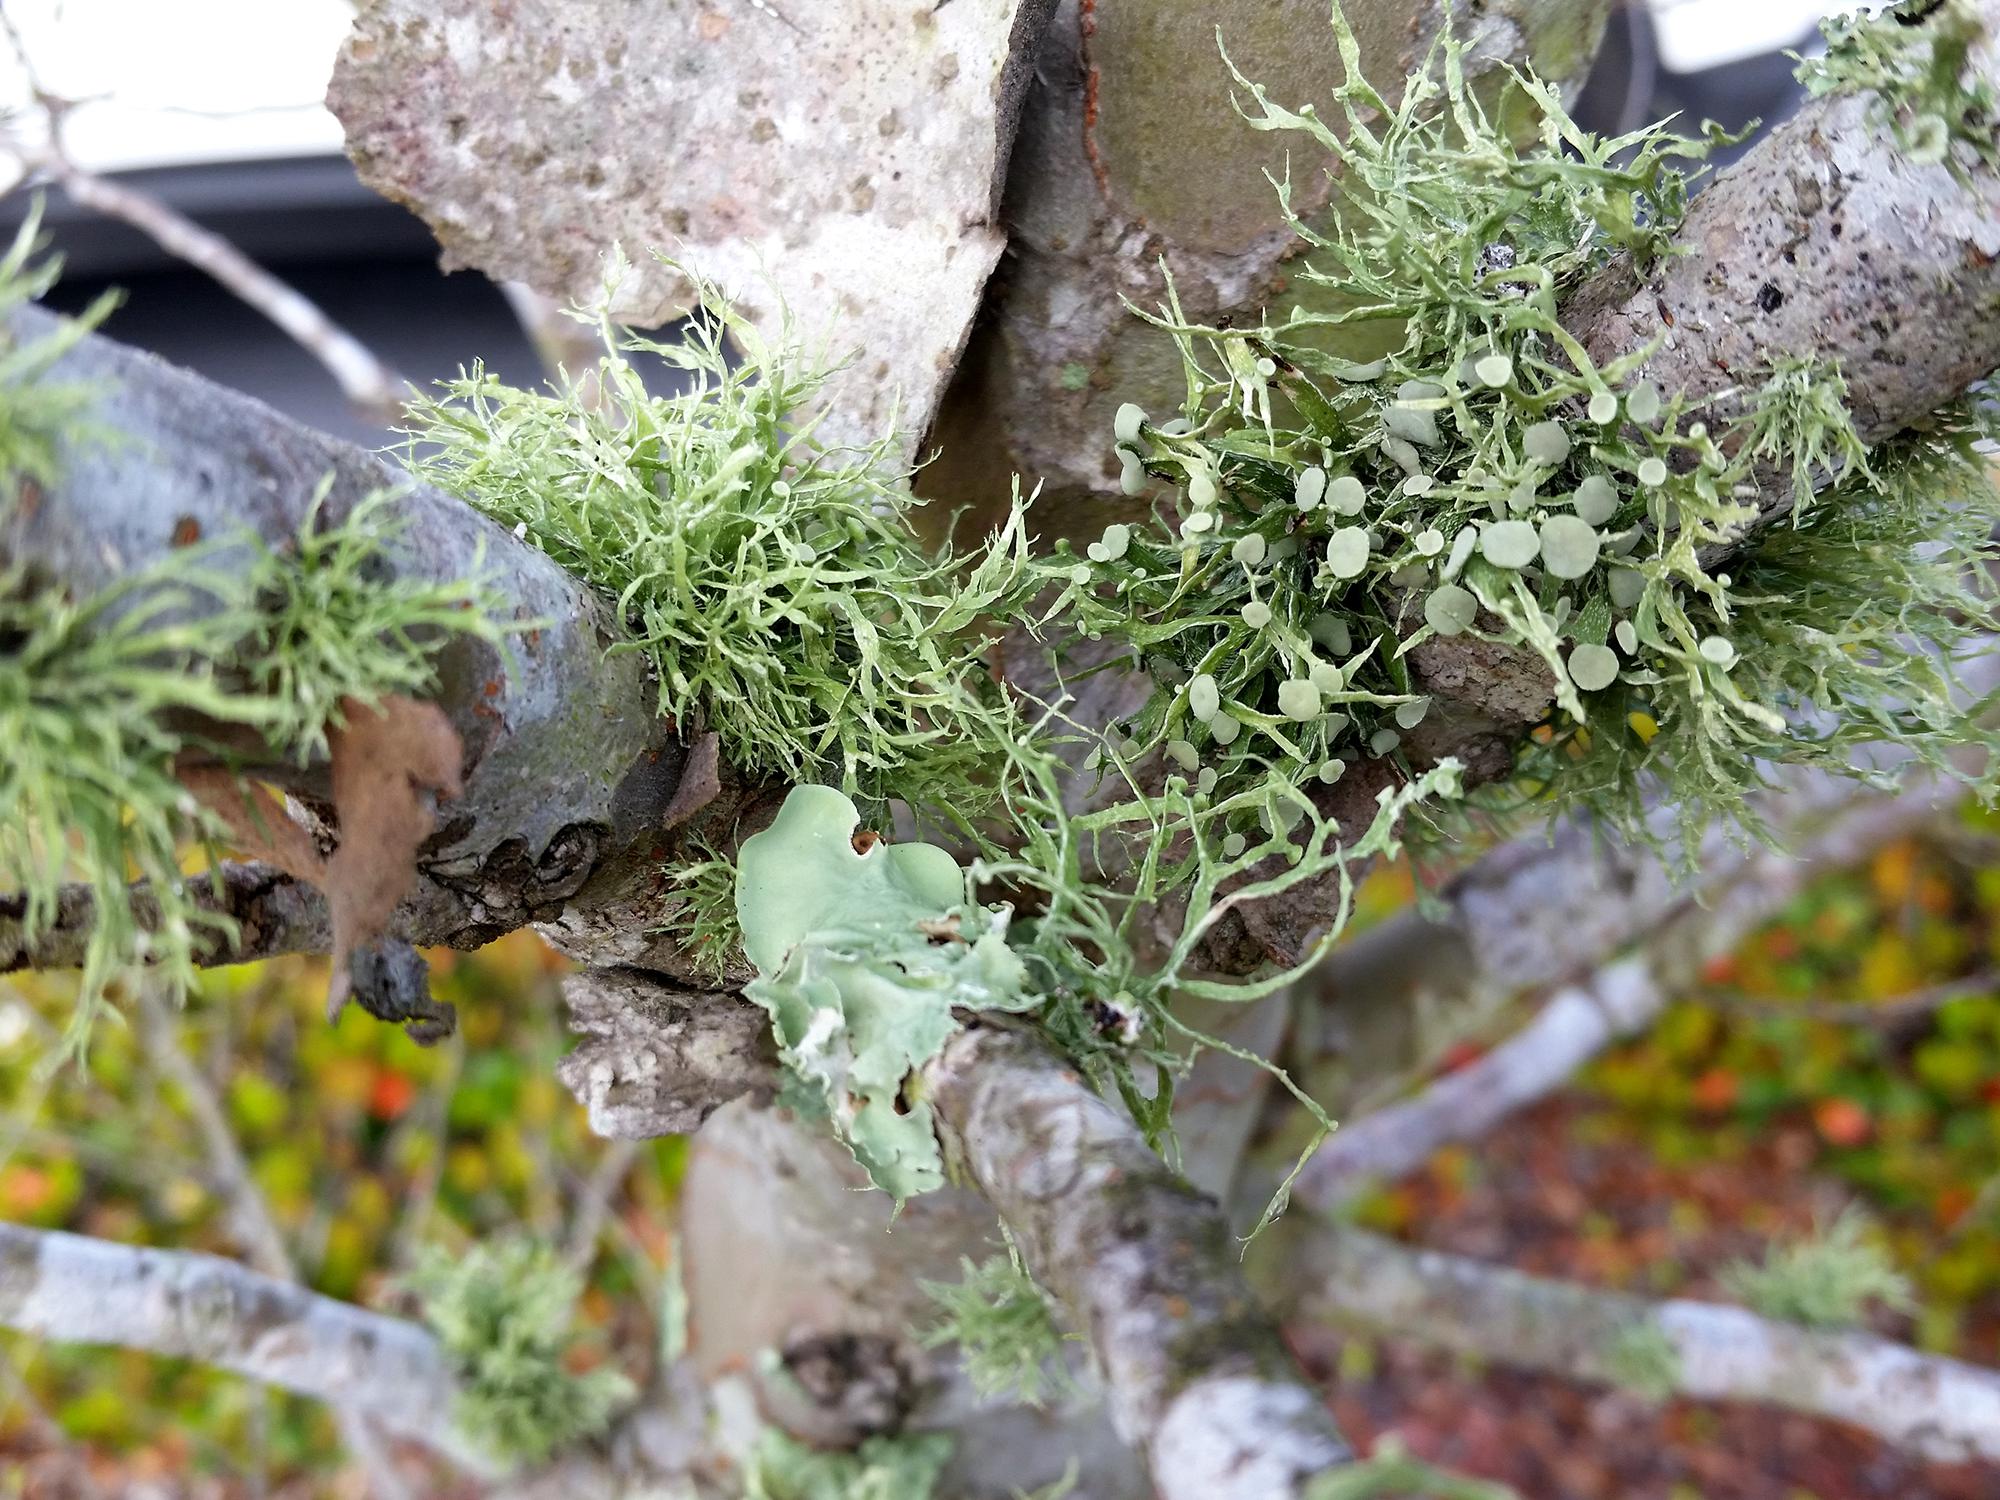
(1617, 1001)
(73, 1289)
(1938, 1408)
(1196, 1376)
(373, 388)
(254, 1227)
(363, 377)
(592, 1206)
(1896, 1014)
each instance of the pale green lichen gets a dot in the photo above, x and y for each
(703, 922)
(862, 958)
(905, 1466)
(1830, 1279)
(774, 583)
(1479, 481)
(1642, 1359)
(1003, 1326)
(1484, 478)
(100, 697)
(1913, 58)
(505, 1315)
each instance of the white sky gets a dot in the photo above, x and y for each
(183, 80)
(178, 81)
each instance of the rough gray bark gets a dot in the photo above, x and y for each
(657, 1059)
(846, 159)
(1196, 1376)
(1828, 243)
(72, 1289)
(1939, 1408)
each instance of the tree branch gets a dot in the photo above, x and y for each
(273, 912)
(1821, 241)
(1618, 1000)
(366, 381)
(1939, 1408)
(1196, 1375)
(77, 1290)
(657, 1059)
(570, 769)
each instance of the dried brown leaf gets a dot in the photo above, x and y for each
(390, 766)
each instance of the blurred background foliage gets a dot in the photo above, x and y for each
(1849, 1054)
(362, 1146)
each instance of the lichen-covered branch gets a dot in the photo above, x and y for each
(73, 1289)
(569, 771)
(1195, 1373)
(1940, 1408)
(1830, 241)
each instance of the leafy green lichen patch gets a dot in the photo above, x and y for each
(863, 956)
(1709, 590)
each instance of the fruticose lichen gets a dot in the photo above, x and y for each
(505, 1315)
(229, 651)
(775, 584)
(1708, 595)
(1911, 58)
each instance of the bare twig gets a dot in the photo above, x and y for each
(1895, 1014)
(1618, 1000)
(592, 1204)
(254, 1227)
(369, 383)
(1939, 1408)
(374, 389)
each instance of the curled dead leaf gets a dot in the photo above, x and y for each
(391, 764)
